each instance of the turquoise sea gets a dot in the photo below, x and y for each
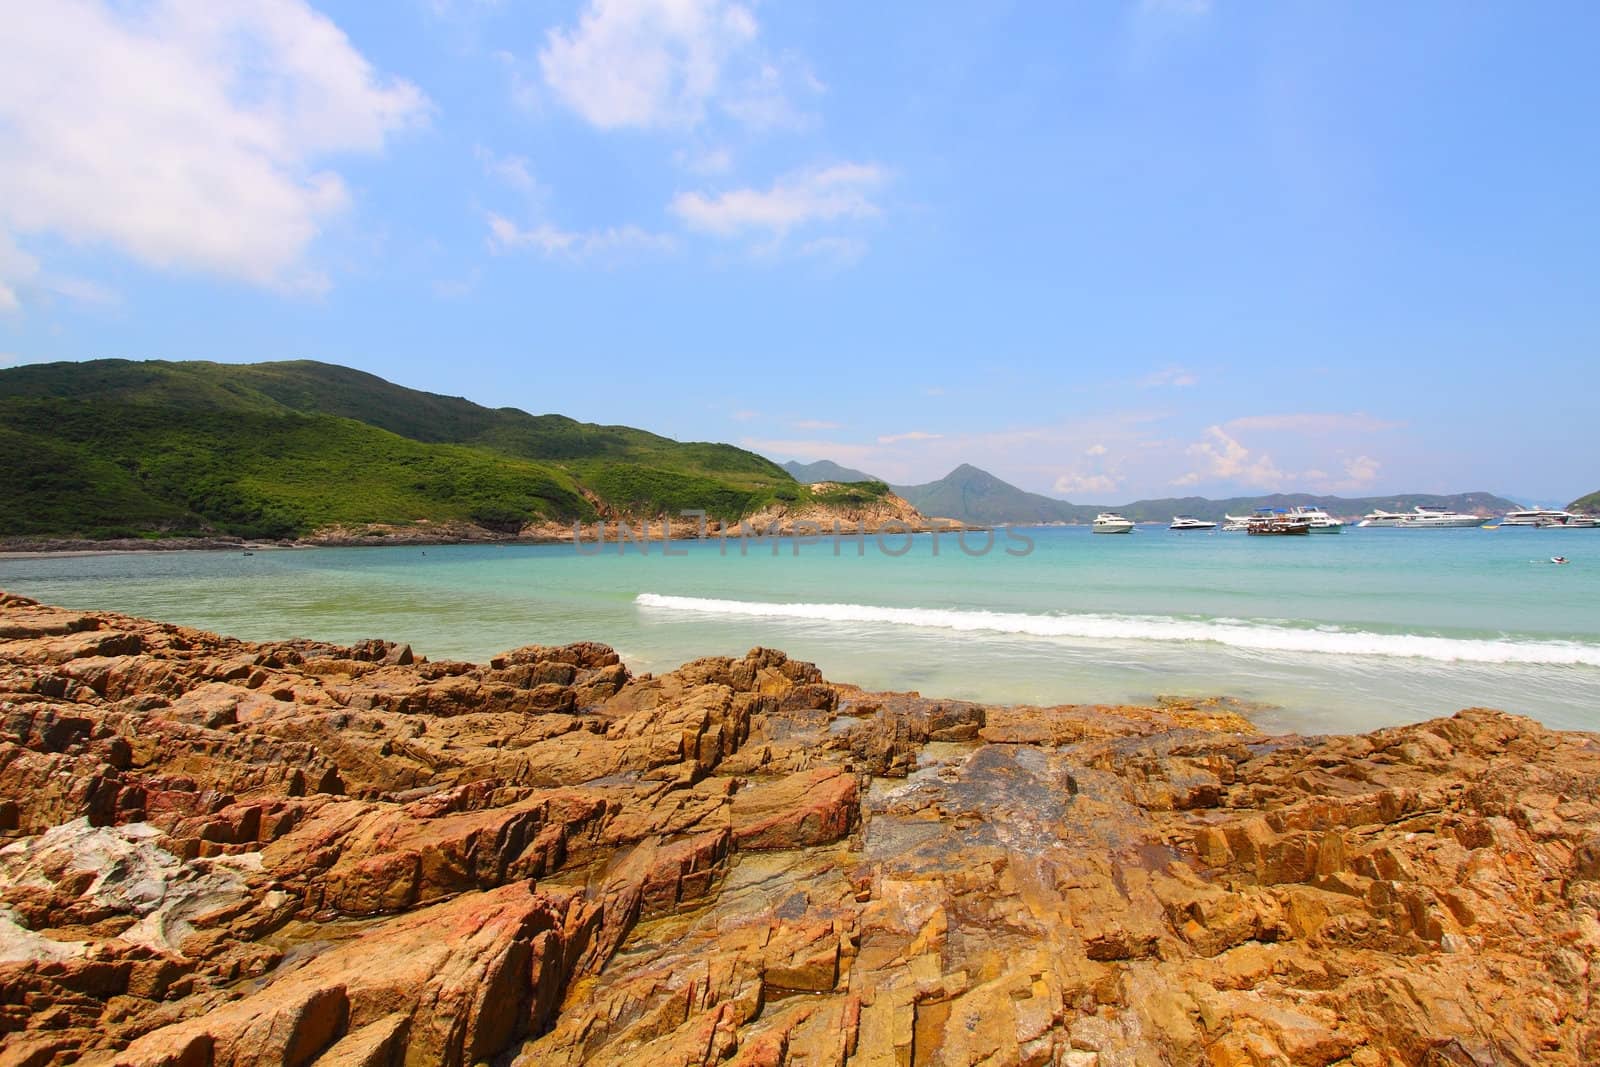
(1336, 633)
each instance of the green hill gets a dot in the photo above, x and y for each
(825, 471)
(976, 496)
(1588, 505)
(118, 448)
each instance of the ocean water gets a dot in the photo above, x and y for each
(1331, 633)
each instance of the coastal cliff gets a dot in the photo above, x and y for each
(223, 852)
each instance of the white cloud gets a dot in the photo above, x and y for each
(554, 242)
(668, 63)
(814, 424)
(1173, 377)
(1324, 423)
(1359, 473)
(1095, 450)
(745, 416)
(16, 268)
(828, 194)
(1069, 484)
(1363, 470)
(186, 135)
(912, 435)
(1224, 458)
(513, 171)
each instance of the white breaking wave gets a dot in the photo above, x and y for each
(1234, 634)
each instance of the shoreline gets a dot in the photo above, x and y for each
(403, 537)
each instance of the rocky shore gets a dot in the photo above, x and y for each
(220, 852)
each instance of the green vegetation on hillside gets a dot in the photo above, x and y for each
(1586, 505)
(116, 448)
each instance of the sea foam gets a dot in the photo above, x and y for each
(1232, 633)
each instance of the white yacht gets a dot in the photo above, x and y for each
(1235, 523)
(1189, 522)
(1423, 517)
(1532, 517)
(1109, 522)
(1321, 521)
(1426, 518)
(1548, 517)
(1379, 517)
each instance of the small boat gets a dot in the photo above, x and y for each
(1277, 522)
(1321, 521)
(1581, 522)
(1189, 522)
(1235, 523)
(1558, 559)
(1109, 522)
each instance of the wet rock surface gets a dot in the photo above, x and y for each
(219, 852)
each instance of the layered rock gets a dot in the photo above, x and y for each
(228, 853)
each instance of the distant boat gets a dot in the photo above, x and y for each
(1545, 518)
(1530, 517)
(1423, 517)
(1188, 522)
(1426, 518)
(1109, 522)
(1235, 523)
(1276, 522)
(1321, 521)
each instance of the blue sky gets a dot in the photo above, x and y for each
(1104, 250)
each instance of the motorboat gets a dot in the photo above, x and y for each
(1189, 522)
(1277, 522)
(1534, 517)
(1545, 518)
(1429, 518)
(1423, 517)
(1235, 523)
(1109, 522)
(1321, 521)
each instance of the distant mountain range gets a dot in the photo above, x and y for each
(970, 494)
(825, 471)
